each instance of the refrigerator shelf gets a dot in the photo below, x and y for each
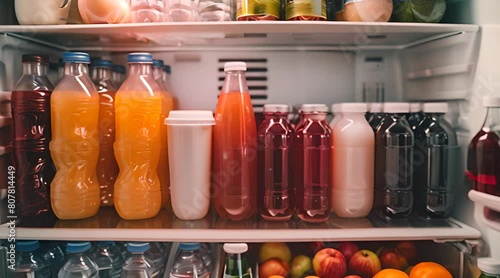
(489, 201)
(303, 35)
(107, 225)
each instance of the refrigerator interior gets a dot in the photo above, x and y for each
(294, 63)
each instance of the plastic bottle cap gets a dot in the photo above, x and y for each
(140, 58)
(336, 108)
(235, 66)
(77, 247)
(283, 108)
(138, 247)
(491, 101)
(27, 245)
(35, 58)
(102, 64)
(489, 265)
(376, 107)
(190, 117)
(157, 63)
(415, 107)
(76, 57)
(119, 68)
(436, 107)
(167, 69)
(314, 108)
(353, 107)
(189, 246)
(235, 248)
(396, 107)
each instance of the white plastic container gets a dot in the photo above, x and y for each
(189, 155)
(353, 163)
(36, 12)
(337, 115)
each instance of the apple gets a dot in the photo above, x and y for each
(299, 266)
(391, 258)
(311, 276)
(316, 246)
(364, 263)
(408, 249)
(347, 249)
(272, 267)
(270, 250)
(329, 263)
(352, 276)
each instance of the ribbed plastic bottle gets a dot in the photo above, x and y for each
(107, 167)
(189, 263)
(416, 115)
(27, 263)
(157, 257)
(78, 264)
(32, 132)
(74, 147)
(138, 112)
(376, 115)
(136, 265)
(53, 254)
(275, 137)
(108, 259)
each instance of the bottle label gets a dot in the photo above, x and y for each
(487, 179)
(305, 10)
(265, 10)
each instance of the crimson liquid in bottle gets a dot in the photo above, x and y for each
(484, 155)
(31, 136)
(275, 138)
(312, 149)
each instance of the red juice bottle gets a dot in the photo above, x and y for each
(31, 136)
(312, 149)
(275, 138)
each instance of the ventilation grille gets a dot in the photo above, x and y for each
(256, 75)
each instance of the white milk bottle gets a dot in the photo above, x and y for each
(353, 163)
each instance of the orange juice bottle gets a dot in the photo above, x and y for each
(167, 106)
(235, 148)
(138, 111)
(74, 192)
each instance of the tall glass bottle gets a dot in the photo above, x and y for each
(313, 146)
(107, 167)
(236, 265)
(75, 141)
(275, 138)
(235, 148)
(31, 136)
(137, 147)
(394, 141)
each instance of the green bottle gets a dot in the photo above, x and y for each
(489, 267)
(236, 263)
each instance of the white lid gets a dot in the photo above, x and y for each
(435, 107)
(376, 107)
(491, 101)
(283, 108)
(190, 117)
(336, 108)
(396, 107)
(353, 107)
(489, 265)
(415, 107)
(235, 248)
(235, 66)
(314, 108)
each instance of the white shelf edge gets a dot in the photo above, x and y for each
(489, 201)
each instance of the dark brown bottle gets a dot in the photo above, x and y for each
(31, 136)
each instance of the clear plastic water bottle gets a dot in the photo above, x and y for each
(136, 265)
(28, 263)
(108, 258)
(157, 257)
(189, 263)
(206, 254)
(53, 254)
(78, 264)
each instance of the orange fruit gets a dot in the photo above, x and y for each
(276, 276)
(390, 273)
(429, 270)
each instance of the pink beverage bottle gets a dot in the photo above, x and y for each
(275, 138)
(312, 151)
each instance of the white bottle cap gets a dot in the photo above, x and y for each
(415, 107)
(353, 107)
(336, 108)
(190, 117)
(235, 248)
(491, 101)
(396, 107)
(314, 108)
(489, 265)
(282, 108)
(235, 66)
(376, 107)
(435, 107)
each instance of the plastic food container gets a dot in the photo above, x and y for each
(367, 10)
(36, 12)
(424, 11)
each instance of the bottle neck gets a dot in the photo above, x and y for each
(275, 115)
(140, 69)
(318, 116)
(35, 68)
(396, 116)
(75, 69)
(354, 116)
(234, 82)
(158, 73)
(492, 122)
(100, 73)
